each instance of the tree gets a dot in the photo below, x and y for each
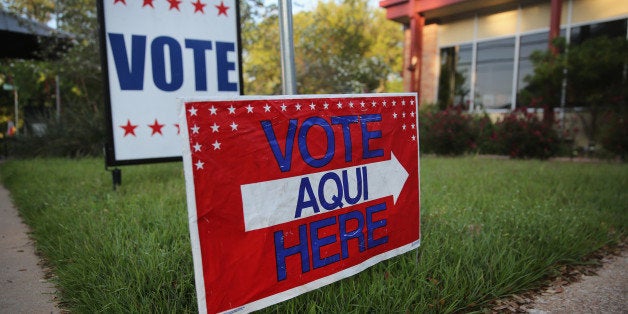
(595, 72)
(339, 48)
(80, 130)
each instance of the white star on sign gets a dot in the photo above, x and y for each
(249, 109)
(373, 103)
(231, 109)
(266, 108)
(199, 165)
(339, 105)
(325, 105)
(298, 106)
(403, 102)
(403, 126)
(283, 107)
(362, 104)
(216, 145)
(412, 102)
(384, 103)
(413, 137)
(313, 106)
(394, 115)
(412, 126)
(212, 110)
(215, 127)
(403, 114)
(412, 114)
(192, 111)
(234, 126)
(197, 147)
(394, 102)
(350, 104)
(195, 129)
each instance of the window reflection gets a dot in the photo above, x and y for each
(454, 83)
(494, 66)
(494, 72)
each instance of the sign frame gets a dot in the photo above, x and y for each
(193, 163)
(109, 146)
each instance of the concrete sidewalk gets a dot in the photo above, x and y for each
(22, 287)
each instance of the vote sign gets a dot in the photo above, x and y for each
(287, 194)
(155, 51)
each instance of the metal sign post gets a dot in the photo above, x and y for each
(289, 81)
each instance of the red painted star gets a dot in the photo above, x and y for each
(178, 128)
(129, 128)
(149, 3)
(174, 4)
(116, 1)
(199, 6)
(222, 9)
(156, 127)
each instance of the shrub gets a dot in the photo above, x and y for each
(521, 134)
(447, 132)
(78, 133)
(614, 133)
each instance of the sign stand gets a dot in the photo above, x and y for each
(116, 177)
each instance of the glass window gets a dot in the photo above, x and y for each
(454, 80)
(527, 45)
(494, 73)
(610, 29)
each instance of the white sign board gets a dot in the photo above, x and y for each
(156, 51)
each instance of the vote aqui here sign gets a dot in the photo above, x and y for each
(154, 52)
(290, 193)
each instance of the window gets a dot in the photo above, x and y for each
(529, 44)
(454, 81)
(494, 72)
(494, 66)
(610, 29)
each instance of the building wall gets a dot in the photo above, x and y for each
(430, 67)
(480, 29)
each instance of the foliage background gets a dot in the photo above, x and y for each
(340, 47)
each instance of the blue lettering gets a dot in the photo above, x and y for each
(311, 242)
(337, 198)
(159, 63)
(372, 225)
(366, 183)
(282, 252)
(130, 75)
(317, 243)
(283, 160)
(331, 146)
(305, 187)
(346, 235)
(224, 66)
(344, 121)
(200, 65)
(345, 185)
(368, 135)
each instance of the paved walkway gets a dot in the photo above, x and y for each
(22, 287)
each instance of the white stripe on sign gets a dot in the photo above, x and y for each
(278, 201)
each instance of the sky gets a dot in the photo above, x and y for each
(305, 5)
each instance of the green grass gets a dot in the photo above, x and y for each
(490, 228)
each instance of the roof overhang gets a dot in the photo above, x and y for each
(22, 38)
(440, 11)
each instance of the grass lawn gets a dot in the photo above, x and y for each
(490, 228)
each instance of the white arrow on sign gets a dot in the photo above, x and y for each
(274, 202)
